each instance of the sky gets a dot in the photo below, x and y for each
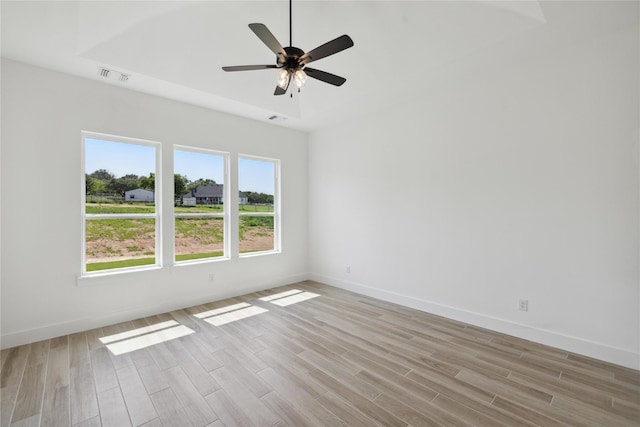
(195, 165)
(121, 159)
(256, 175)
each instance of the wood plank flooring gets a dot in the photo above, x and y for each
(307, 355)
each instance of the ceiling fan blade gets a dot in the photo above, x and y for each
(334, 46)
(267, 38)
(323, 76)
(248, 67)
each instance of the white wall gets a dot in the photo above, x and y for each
(519, 185)
(43, 113)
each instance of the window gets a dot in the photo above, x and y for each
(120, 200)
(258, 204)
(199, 209)
(121, 205)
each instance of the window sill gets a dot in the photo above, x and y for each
(200, 261)
(91, 279)
(258, 254)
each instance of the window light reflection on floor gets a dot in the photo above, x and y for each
(232, 316)
(286, 298)
(280, 295)
(231, 313)
(222, 310)
(140, 331)
(140, 338)
(294, 299)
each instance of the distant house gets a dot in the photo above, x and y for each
(138, 195)
(212, 194)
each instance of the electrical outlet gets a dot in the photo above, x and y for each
(212, 277)
(348, 269)
(523, 305)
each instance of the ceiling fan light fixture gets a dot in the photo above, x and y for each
(283, 78)
(299, 78)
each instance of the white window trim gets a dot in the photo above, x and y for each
(157, 201)
(225, 214)
(276, 214)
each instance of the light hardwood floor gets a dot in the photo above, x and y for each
(317, 357)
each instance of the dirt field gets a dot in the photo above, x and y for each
(100, 250)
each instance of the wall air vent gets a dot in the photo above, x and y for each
(113, 74)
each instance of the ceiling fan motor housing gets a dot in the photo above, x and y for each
(291, 60)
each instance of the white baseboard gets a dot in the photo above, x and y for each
(568, 343)
(83, 324)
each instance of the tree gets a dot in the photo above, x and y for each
(102, 174)
(148, 182)
(93, 185)
(180, 183)
(125, 183)
(259, 198)
(98, 182)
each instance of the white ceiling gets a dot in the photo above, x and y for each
(402, 49)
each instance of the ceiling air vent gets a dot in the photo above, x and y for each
(276, 118)
(113, 74)
(104, 72)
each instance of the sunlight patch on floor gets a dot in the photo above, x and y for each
(280, 295)
(136, 332)
(232, 316)
(286, 298)
(222, 310)
(140, 338)
(230, 313)
(294, 299)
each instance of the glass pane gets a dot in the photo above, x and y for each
(119, 177)
(198, 238)
(198, 181)
(256, 234)
(256, 179)
(119, 243)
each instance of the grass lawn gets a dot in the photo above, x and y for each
(187, 257)
(120, 208)
(108, 265)
(137, 262)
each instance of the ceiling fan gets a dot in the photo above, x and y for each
(292, 61)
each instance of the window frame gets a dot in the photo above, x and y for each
(276, 214)
(156, 216)
(225, 214)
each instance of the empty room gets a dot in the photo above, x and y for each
(320, 213)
